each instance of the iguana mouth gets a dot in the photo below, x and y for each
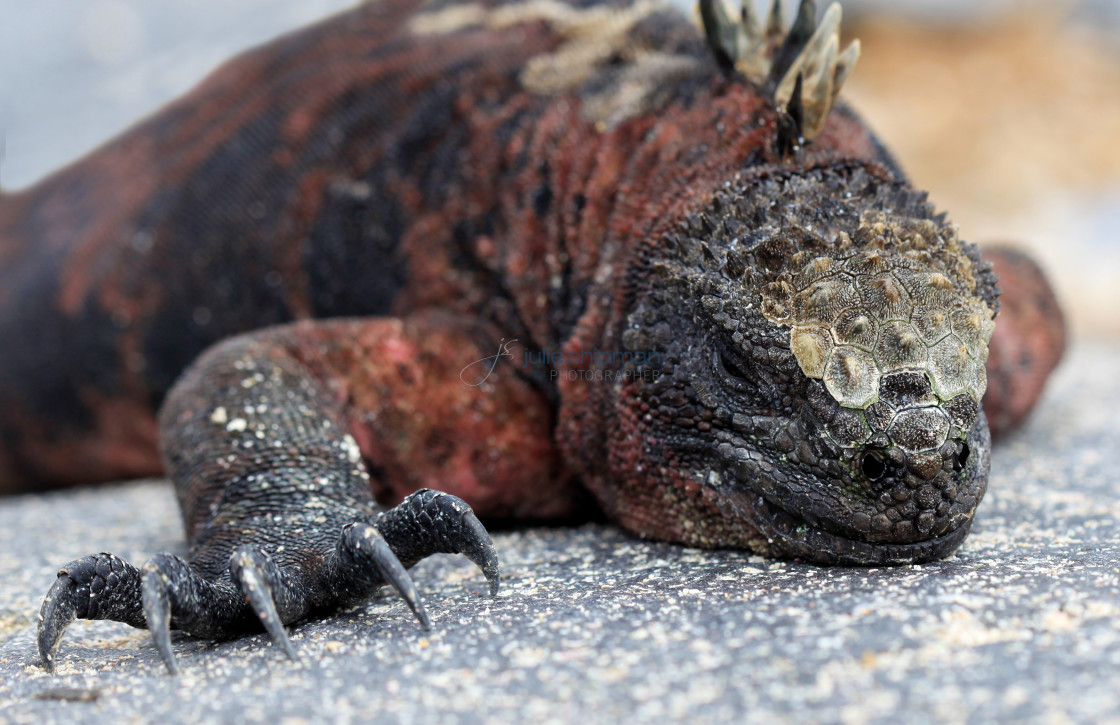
(904, 514)
(791, 536)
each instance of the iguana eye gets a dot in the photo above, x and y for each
(731, 370)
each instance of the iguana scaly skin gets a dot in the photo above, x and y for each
(489, 201)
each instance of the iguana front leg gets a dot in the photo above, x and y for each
(260, 439)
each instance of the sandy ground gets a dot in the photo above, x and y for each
(1022, 624)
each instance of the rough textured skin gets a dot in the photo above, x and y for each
(796, 341)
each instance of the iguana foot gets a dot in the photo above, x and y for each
(258, 589)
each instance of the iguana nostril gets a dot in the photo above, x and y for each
(873, 466)
(960, 460)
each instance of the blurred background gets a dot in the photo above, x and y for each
(1007, 111)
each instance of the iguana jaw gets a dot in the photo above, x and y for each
(790, 537)
(816, 520)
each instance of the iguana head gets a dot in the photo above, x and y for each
(815, 338)
(824, 337)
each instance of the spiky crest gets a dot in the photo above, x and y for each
(808, 57)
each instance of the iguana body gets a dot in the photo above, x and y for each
(468, 187)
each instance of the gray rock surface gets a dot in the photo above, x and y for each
(1022, 624)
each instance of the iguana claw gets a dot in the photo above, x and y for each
(258, 590)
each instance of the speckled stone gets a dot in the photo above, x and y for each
(1022, 624)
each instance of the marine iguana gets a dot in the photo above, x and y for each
(517, 252)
